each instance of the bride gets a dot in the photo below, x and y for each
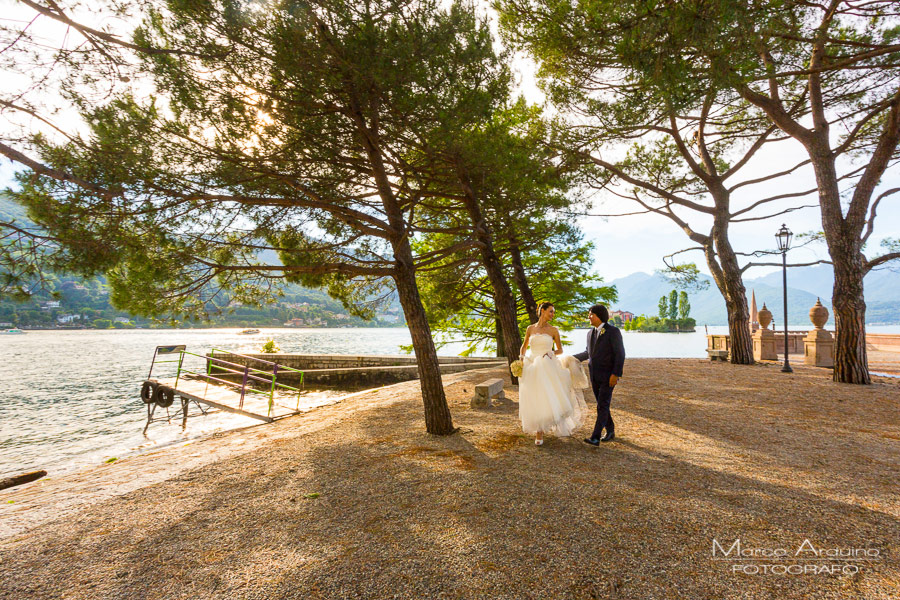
(550, 396)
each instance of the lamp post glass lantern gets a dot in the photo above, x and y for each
(783, 238)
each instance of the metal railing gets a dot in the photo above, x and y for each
(251, 377)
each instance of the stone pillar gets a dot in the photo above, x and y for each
(818, 345)
(764, 345)
(764, 338)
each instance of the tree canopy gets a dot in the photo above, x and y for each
(693, 81)
(292, 129)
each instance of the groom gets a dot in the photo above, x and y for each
(606, 357)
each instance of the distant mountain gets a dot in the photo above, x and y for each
(640, 292)
(880, 285)
(313, 305)
(10, 211)
(817, 280)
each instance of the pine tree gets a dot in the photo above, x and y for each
(673, 304)
(684, 305)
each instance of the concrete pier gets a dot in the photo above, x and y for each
(357, 370)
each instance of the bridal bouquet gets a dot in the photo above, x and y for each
(516, 368)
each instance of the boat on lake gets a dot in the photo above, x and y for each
(11, 332)
(248, 332)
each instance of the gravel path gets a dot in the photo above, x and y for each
(355, 500)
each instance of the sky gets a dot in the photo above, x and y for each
(625, 245)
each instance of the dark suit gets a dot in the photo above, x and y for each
(606, 356)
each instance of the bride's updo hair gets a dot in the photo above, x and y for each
(544, 306)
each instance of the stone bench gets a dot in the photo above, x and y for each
(717, 354)
(486, 390)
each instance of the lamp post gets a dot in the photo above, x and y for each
(783, 237)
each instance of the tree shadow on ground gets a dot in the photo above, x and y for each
(376, 508)
(800, 421)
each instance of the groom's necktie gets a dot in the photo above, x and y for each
(593, 339)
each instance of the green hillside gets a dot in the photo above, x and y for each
(72, 302)
(76, 303)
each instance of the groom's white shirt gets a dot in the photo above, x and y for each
(598, 331)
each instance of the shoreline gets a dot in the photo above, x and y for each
(794, 327)
(69, 491)
(355, 500)
(55, 496)
(70, 464)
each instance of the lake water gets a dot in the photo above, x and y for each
(69, 399)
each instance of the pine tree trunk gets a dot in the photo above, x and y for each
(506, 305)
(739, 332)
(738, 319)
(851, 363)
(728, 277)
(522, 282)
(437, 413)
(501, 348)
(504, 301)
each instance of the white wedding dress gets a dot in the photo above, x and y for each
(550, 390)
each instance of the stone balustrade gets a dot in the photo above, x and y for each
(802, 343)
(795, 341)
(816, 345)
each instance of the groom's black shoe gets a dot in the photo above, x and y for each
(592, 441)
(610, 436)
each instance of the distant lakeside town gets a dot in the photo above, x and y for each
(80, 306)
(73, 304)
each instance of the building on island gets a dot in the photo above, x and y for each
(622, 314)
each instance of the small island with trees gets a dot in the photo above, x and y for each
(674, 316)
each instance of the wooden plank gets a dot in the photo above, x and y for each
(255, 403)
(225, 407)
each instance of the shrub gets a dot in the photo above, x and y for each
(270, 347)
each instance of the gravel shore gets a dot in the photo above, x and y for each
(355, 500)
